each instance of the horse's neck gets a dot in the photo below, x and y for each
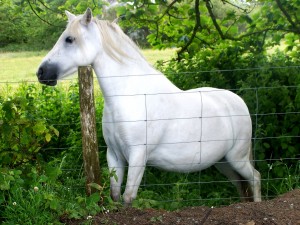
(133, 76)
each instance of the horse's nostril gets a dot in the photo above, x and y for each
(40, 72)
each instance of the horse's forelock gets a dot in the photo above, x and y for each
(73, 28)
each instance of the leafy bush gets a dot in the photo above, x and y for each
(46, 199)
(40, 149)
(22, 135)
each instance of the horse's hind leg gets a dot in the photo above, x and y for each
(240, 162)
(241, 184)
(248, 172)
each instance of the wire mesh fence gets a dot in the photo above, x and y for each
(274, 111)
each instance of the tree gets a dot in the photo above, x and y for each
(38, 23)
(11, 24)
(191, 25)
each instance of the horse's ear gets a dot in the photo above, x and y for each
(87, 17)
(70, 16)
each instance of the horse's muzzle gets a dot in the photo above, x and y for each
(47, 74)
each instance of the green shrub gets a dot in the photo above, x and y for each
(22, 136)
(40, 149)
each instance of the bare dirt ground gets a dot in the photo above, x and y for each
(283, 210)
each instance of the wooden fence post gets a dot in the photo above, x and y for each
(88, 128)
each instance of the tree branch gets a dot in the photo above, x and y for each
(175, 17)
(214, 20)
(205, 42)
(218, 28)
(195, 30)
(260, 48)
(285, 13)
(168, 9)
(234, 5)
(225, 36)
(43, 4)
(261, 31)
(35, 13)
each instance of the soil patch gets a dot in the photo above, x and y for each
(283, 210)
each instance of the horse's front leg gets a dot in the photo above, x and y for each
(137, 164)
(116, 169)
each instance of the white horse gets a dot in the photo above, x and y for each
(148, 120)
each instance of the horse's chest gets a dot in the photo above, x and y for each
(122, 130)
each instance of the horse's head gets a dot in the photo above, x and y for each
(77, 46)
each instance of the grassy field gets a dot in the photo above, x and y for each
(21, 66)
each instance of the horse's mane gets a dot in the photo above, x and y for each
(112, 46)
(113, 39)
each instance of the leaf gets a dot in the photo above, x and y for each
(247, 18)
(37, 149)
(277, 38)
(121, 10)
(39, 9)
(54, 204)
(48, 137)
(49, 196)
(96, 186)
(43, 179)
(266, 145)
(4, 186)
(93, 198)
(284, 145)
(128, 15)
(113, 173)
(56, 132)
(39, 127)
(53, 173)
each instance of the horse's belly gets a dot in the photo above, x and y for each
(188, 145)
(188, 157)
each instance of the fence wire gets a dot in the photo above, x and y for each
(201, 180)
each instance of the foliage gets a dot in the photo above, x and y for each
(37, 24)
(40, 148)
(22, 134)
(11, 24)
(40, 130)
(188, 25)
(193, 24)
(46, 199)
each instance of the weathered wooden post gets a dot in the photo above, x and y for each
(88, 128)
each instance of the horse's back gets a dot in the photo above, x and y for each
(232, 101)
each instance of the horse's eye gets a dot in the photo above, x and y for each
(70, 39)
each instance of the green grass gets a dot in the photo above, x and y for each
(22, 66)
(154, 55)
(19, 66)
